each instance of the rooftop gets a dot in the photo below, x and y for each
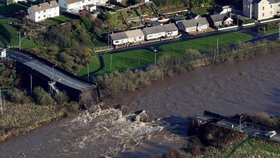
(44, 6)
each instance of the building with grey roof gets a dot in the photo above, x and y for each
(160, 31)
(119, 38)
(193, 25)
(219, 20)
(135, 36)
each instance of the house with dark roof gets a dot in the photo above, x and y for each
(43, 11)
(261, 9)
(220, 20)
(194, 25)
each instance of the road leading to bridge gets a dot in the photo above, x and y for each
(48, 71)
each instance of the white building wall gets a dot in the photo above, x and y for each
(120, 42)
(171, 33)
(43, 15)
(264, 10)
(191, 29)
(155, 36)
(136, 39)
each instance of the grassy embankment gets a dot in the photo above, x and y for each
(139, 58)
(250, 147)
(10, 31)
(19, 119)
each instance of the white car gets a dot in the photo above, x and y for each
(270, 134)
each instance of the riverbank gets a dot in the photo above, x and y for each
(19, 119)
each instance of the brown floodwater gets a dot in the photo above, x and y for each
(248, 86)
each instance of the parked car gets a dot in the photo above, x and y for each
(270, 134)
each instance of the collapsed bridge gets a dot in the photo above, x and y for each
(37, 71)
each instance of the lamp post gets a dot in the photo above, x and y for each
(240, 123)
(19, 40)
(88, 70)
(53, 71)
(1, 106)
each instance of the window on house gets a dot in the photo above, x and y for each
(270, 6)
(44, 10)
(117, 41)
(270, 12)
(263, 14)
(38, 17)
(263, 8)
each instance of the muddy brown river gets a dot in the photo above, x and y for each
(249, 86)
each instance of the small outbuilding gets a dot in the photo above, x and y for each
(220, 20)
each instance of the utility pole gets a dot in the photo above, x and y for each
(19, 40)
(111, 61)
(53, 72)
(155, 58)
(31, 84)
(217, 46)
(240, 123)
(1, 103)
(88, 70)
(279, 31)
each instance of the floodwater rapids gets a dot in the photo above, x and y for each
(248, 86)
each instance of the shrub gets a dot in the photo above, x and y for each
(18, 96)
(41, 97)
(61, 98)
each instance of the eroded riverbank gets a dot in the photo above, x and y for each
(248, 86)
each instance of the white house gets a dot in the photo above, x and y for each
(261, 9)
(171, 30)
(43, 11)
(119, 38)
(193, 25)
(76, 5)
(220, 20)
(154, 32)
(3, 53)
(135, 36)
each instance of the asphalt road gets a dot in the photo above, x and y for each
(47, 71)
(186, 37)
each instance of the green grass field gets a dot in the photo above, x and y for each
(10, 9)
(204, 44)
(271, 31)
(9, 32)
(121, 62)
(26, 43)
(139, 58)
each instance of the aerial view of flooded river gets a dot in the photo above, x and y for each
(248, 86)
